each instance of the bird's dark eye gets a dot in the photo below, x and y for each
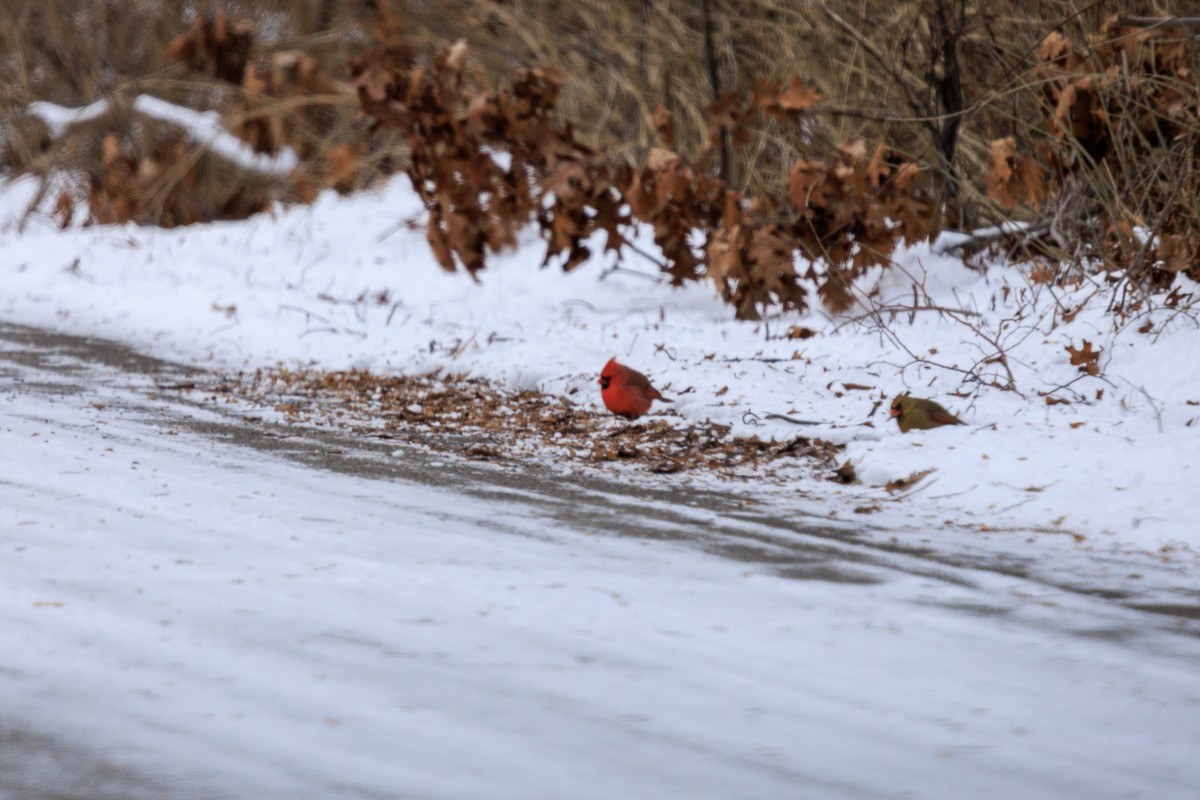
(604, 380)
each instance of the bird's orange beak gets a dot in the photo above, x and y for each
(895, 412)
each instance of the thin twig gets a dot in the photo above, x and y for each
(1158, 22)
(309, 315)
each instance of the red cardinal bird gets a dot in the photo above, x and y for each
(626, 392)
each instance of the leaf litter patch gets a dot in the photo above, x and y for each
(443, 410)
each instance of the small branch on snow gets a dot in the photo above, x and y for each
(793, 420)
(1079, 397)
(408, 223)
(662, 265)
(309, 315)
(761, 359)
(750, 418)
(74, 270)
(627, 271)
(999, 354)
(919, 487)
(1026, 501)
(334, 329)
(395, 307)
(616, 267)
(910, 309)
(972, 488)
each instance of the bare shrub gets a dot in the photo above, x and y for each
(935, 113)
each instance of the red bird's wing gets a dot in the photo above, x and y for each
(638, 381)
(635, 380)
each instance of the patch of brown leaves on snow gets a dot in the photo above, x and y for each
(478, 420)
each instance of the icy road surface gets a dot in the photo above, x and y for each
(195, 604)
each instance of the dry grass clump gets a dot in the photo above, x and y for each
(261, 66)
(889, 70)
(877, 62)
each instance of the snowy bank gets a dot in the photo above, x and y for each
(347, 283)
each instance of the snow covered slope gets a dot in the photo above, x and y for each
(347, 282)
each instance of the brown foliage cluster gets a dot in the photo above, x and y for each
(216, 45)
(125, 188)
(487, 161)
(1120, 141)
(475, 201)
(284, 100)
(1014, 179)
(1091, 130)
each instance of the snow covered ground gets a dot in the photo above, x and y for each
(347, 282)
(189, 608)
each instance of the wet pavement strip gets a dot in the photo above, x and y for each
(1063, 587)
(38, 767)
(398, 429)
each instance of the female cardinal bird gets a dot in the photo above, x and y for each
(921, 414)
(626, 392)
